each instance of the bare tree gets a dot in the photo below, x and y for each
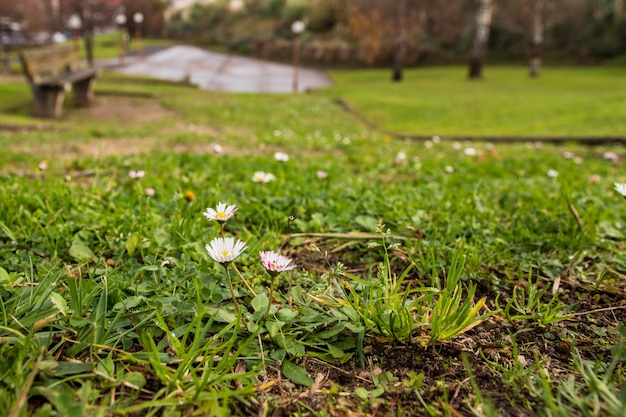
(536, 38)
(481, 38)
(400, 52)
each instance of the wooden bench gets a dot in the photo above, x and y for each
(51, 71)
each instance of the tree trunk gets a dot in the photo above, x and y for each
(481, 38)
(89, 32)
(618, 10)
(536, 39)
(398, 62)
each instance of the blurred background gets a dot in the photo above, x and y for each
(338, 32)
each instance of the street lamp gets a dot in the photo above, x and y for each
(75, 24)
(120, 20)
(138, 18)
(297, 28)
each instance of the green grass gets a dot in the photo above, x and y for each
(487, 270)
(577, 102)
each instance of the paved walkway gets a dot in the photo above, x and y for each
(221, 72)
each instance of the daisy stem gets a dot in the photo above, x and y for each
(269, 298)
(222, 230)
(244, 281)
(232, 290)
(290, 286)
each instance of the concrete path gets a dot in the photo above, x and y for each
(221, 72)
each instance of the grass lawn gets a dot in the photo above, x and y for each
(579, 102)
(431, 278)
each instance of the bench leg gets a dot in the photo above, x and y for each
(49, 101)
(82, 92)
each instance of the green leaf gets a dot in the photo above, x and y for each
(4, 275)
(221, 315)
(286, 314)
(70, 368)
(7, 231)
(129, 303)
(81, 252)
(296, 374)
(59, 302)
(131, 243)
(362, 393)
(366, 222)
(335, 351)
(273, 327)
(135, 378)
(259, 303)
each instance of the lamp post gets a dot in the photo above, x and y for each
(297, 28)
(138, 19)
(75, 24)
(120, 20)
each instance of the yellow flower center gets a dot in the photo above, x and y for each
(274, 264)
(220, 215)
(225, 253)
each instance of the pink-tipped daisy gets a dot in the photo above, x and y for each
(221, 213)
(225, 249)
(275, 262)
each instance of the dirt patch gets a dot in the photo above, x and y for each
(120, 110)
(124, 110)
(10, 78)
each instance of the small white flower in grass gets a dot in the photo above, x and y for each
(611, 156)
(577, 160)
(43, 165)
(428, 144)
(224, 250)
(470, 151)
(400, 158)
(621, 188)
(275, 262)
(218, 149)
(263, 177)
(436, 139)
(552, 173)
(136, 174)
(220, 213)
(449, 169)
(281, 157)
(456, 146)
(321, 174)
(149, 191)
(568, 155)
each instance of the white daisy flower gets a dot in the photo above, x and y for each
(281, 157)
(321, 174)
(221, 213)
(263, 177)
(225, 249)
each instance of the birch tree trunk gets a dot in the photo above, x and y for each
(618, 10)
(481, 38)
(536, 38)
(400, 53)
